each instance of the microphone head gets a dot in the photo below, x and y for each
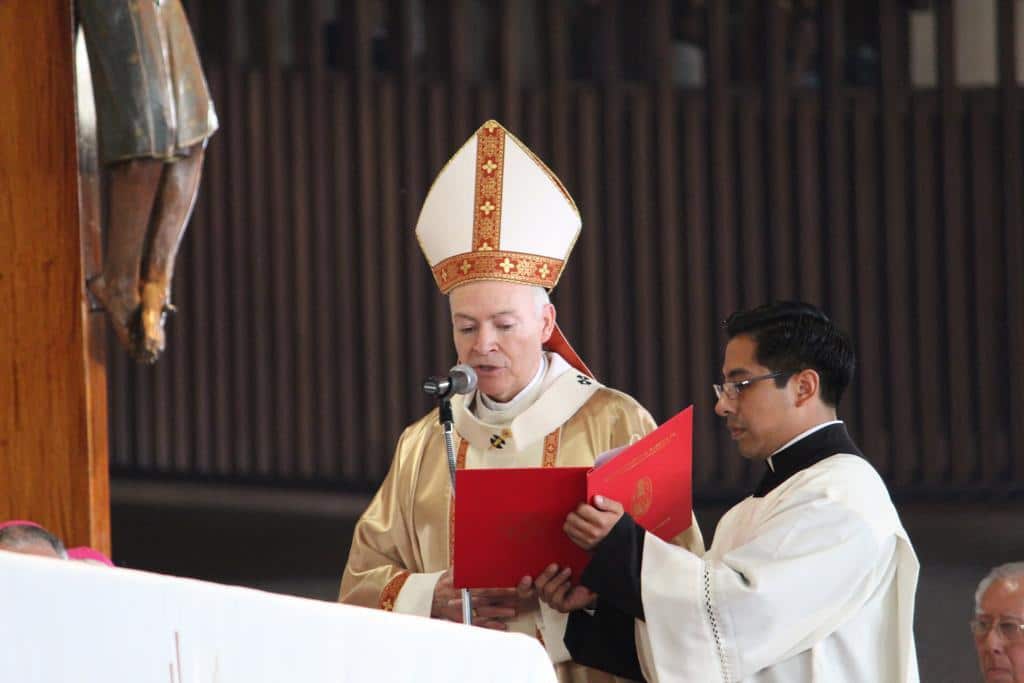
(463, 379)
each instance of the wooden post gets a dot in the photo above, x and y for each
(53, 415)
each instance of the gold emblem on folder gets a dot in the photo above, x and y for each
(642, 497)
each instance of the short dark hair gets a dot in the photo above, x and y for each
(792, 336)
(20, 535)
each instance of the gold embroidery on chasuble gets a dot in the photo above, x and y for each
(460, 463)
(499, 440)
(551, 447)
(391, 590)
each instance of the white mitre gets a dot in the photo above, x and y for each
(497, 212)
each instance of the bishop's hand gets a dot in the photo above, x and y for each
(492, 607)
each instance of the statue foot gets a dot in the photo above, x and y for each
(122, 309)
(154, 314)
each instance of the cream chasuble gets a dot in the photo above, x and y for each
(402, 543)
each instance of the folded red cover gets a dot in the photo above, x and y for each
(652, 478)
(508, 522)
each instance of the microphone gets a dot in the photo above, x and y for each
(461, 379)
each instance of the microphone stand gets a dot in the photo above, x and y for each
(444, 405)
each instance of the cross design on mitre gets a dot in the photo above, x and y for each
(544, 271)
(466, 267)
(487, 208)
(489, 166)
(506, 265)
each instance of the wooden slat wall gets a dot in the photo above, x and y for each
(307, 316)
(956, 263)
(929, 382)
(898, 330)
(1013, 234)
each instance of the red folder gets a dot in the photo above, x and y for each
(508, 522)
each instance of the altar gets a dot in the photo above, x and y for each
(65, 620)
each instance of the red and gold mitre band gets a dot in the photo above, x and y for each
(508, 266)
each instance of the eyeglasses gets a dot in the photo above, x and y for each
(1009, 631)
(732, 390)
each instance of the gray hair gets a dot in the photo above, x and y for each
(540, 298)
(22, 535)
(1004, 572)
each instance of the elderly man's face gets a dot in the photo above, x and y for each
(499, 330)
(1002, 661)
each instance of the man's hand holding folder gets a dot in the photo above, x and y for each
(515, 523)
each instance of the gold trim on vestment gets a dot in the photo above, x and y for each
(547, 170)
(551, 447)
(490, 174)
(391, 590)
(506, 266)
(460, 464)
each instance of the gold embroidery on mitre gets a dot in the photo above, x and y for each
(490, 171)
(391, 591)
(528, 269)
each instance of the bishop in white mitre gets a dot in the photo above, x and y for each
(496, 228)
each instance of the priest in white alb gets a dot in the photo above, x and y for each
(496, 228)
(811, 579)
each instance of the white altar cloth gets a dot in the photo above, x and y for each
(70, 621)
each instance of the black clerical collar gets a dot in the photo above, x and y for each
(808, 451)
